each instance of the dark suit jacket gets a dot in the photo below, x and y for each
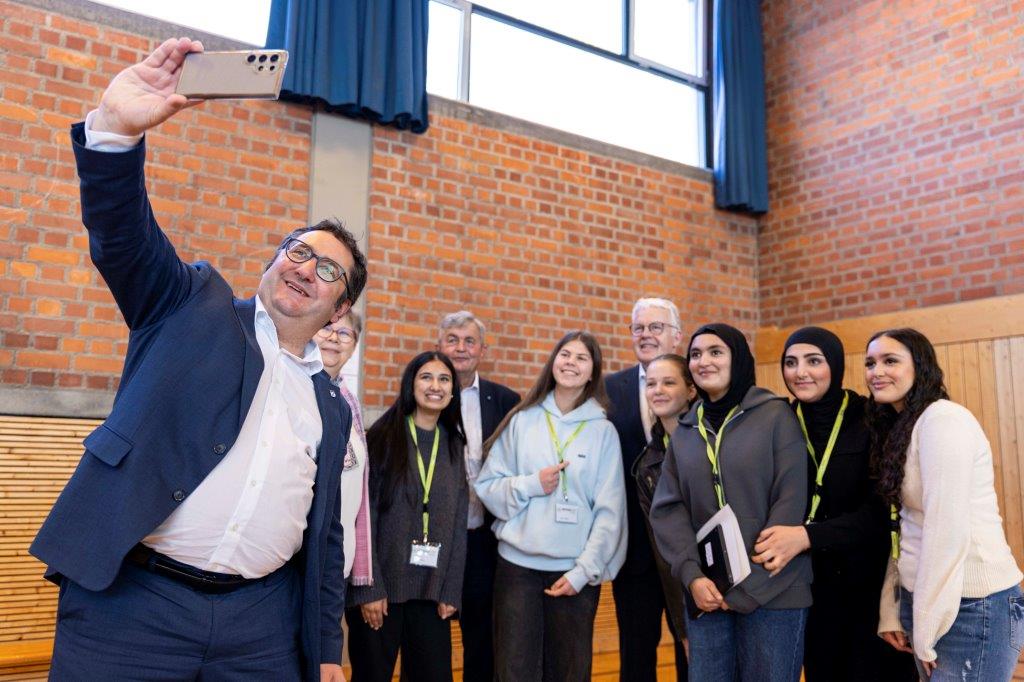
(624, 395)
(190, 373)
(495, 402)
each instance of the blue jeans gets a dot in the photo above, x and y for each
(984, 642)
(764, 646)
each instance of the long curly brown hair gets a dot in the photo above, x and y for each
(891, 430)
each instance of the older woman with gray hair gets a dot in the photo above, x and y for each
(338, 343)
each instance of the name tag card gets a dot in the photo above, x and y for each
(424, 554)
(567, 513)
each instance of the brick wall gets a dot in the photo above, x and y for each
(895, 154)
(225, 181)
(538, 239)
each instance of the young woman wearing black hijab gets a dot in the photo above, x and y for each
(751, 438)
(846, 529)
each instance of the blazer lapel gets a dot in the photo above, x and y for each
(252, 368)
(488, 410)
(337, 421)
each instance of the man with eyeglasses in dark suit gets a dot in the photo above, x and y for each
(199, 537)
(639, 598)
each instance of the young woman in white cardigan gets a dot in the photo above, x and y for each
(960, 609)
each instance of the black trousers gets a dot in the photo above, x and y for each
(841, 644)
(639, 604)
(475, 617)
(414, 627)
(540, 638)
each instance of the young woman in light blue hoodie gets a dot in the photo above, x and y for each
(553, 478)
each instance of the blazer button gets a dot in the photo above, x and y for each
(178, 495)
(219, 449)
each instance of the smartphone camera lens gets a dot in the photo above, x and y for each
(272, 67)
(259, 68)
(263, 58)
(273, 57)
(251, 58)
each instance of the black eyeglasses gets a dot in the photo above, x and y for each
(299, 251)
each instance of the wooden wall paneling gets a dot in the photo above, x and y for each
(1009, 378)
(990, 410)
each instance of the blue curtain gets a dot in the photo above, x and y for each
(362, 58)
(740, 163)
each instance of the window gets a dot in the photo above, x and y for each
(629, 72)
(242, 20)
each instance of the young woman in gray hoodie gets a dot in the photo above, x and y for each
(754, 631)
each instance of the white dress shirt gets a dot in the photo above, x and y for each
(474, 453)
(646, 416)
(248, 515)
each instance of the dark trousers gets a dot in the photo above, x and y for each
(539, 638)
(413, 627)
(475, 617)
(149, 627)
(639, 603)
(841, 644)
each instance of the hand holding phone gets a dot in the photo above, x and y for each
(240, 74)
(143, 96)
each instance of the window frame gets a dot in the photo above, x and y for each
(626, 57)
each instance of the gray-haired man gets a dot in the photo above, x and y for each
(484, 405)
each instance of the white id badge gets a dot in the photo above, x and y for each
(424, 554)
(567, 513)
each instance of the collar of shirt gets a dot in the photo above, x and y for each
(476, 383)
(311, 360)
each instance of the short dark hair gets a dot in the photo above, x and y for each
(356, 278)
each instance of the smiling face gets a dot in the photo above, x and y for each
(666, 389)
(649, 345)
(464, 346)
(806, 372)
(337, 343)
(295, 297)
(432, 387)
(889, 371)
(711, 365)
(573, 366)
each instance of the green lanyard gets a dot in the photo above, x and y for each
(426, 477)
(894, 531)
(665, 441)
(713, 453)
(560, 449)
(823, 464)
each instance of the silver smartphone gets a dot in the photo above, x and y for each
(241, 74)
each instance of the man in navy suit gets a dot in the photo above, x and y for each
(639, 599)
(484, 405)
(199, 537)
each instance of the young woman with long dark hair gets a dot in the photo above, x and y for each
(553, 478)
(846, 530)
(960, 609)
(740, 445)
(419, 497)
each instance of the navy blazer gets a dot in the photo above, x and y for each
(624, 395)
(495, 402)
(190, 374)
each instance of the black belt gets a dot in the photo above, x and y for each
(197, 579)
